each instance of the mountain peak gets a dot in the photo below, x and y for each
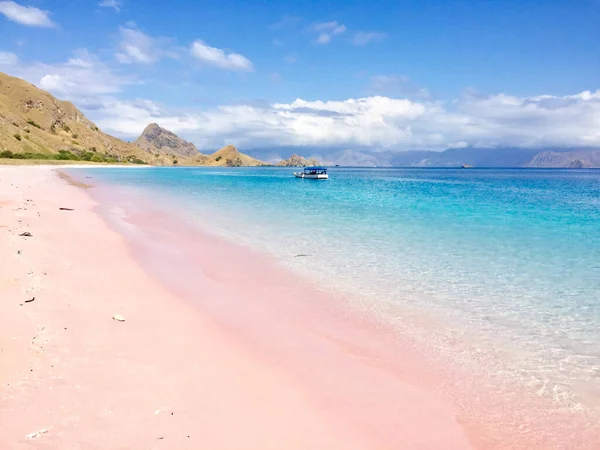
(151, 127)
(158, 140)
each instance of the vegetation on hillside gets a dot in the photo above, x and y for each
(33, 123)
(65, 155)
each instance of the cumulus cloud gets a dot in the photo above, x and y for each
(327, 30)
(26, 15)
(212, 56)
(114, 4)
(379, 122)
(364, 37)
(8, 59)
(569, 121)
(138, 47)
(399, 124)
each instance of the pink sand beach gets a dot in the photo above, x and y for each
(225, 352)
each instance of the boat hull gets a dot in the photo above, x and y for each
(319, 176)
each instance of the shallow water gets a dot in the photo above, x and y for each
(502, 265)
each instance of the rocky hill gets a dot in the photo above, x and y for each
(157, 140)
(298, 161)
(33, 121)
(577, 159)
(227, 156)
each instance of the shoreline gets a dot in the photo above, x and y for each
(167, 372)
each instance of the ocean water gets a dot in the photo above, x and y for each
(495, 268)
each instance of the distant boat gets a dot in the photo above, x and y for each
(466, 166)
(313, 173)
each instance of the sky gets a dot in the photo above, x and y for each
(380, 75)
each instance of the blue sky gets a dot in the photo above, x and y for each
(370, 75)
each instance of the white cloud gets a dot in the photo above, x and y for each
(382, 123)
(8, 59)
(115, 4)
(137, 47)
(26, 15)
(364, 38)
(216, 57)
(327, 30)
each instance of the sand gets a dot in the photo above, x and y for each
(171, 375)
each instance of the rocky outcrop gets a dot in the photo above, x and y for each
(298, 161)
(157, 140)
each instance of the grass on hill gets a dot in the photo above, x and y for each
(42, 162)
(65, 155)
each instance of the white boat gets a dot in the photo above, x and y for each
(313, 173)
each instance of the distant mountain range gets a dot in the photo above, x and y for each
(577, 159)
(453, 157)
(457, 157)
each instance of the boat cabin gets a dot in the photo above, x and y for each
(315, 171)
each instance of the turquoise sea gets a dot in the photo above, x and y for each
(499, 269)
